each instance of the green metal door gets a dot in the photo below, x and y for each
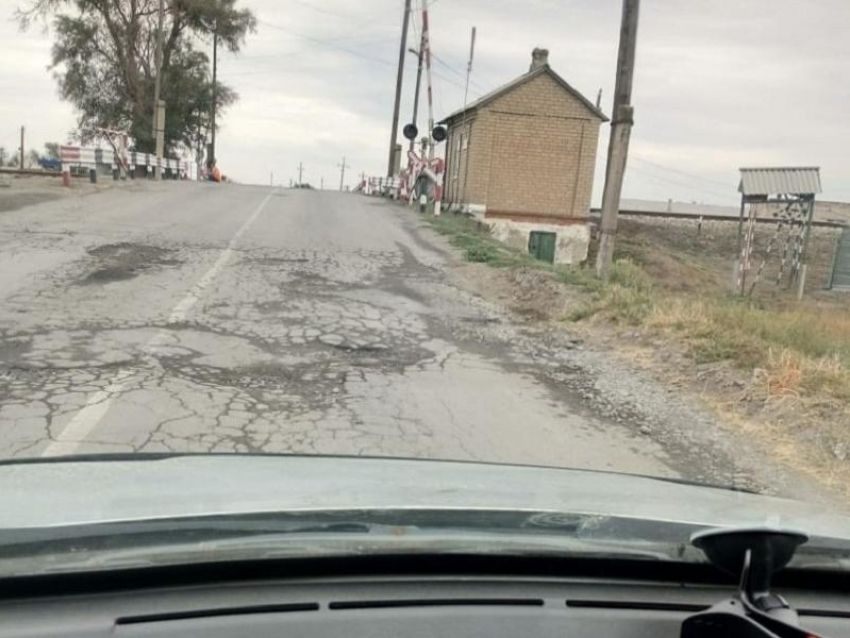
(840, 278)
(542, 245)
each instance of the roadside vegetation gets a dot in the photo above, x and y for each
(789, 348)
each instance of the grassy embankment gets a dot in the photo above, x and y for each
(792, 348)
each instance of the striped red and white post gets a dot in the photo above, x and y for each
(426, 51)
(433, 169)
(68, 154)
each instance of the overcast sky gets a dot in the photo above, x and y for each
(718, 85)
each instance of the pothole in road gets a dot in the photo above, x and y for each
(123, 261)
(277, 261)
(318, 384)
(355, 348)
(13, 347)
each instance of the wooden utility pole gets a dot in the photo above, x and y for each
(21, 162)
(322, 187)
(463, 121)
(398, 84)
(158, 104)
(300, 172)
(618, 146)
(342, 168)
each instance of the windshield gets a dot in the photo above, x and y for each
(573, 235)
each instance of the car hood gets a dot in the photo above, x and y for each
(86, 491)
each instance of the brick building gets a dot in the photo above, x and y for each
(522, 158)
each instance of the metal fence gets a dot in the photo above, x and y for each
(840, 277)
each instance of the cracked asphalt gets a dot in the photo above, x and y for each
(197, 318)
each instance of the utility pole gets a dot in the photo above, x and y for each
(158, 104)
(300, 172)
(342, 168)
(21, 162)
(419, 55)
(398, 83)
(618, 146)
(463, 121)
(322, 187)
(212, 159)
(271, 179)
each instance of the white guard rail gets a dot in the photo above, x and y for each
(92, 158)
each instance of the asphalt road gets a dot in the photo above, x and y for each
(194, 317)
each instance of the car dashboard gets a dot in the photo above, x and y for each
(383, 604)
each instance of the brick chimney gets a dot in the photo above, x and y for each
(539, 58)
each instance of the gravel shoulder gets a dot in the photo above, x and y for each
(21, 191)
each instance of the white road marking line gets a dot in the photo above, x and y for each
(89, 416)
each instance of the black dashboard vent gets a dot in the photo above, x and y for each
(211, 613)
(637, 605)
(437, 602)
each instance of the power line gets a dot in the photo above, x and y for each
(674, 182)
(337, 47)
(363, 42)
(318, 9)
(680, 172)
(460, 74)
(327, 43)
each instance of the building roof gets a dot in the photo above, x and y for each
(773, 181)
(527, 77)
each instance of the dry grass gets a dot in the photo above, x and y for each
(791, 349)
(803, 350)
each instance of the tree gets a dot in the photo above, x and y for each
(31, 159)
(103, 57)
(51, 150)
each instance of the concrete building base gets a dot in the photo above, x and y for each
(571, 243)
